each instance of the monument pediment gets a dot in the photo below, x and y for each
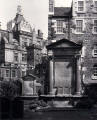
(29, 77)
(64, 43)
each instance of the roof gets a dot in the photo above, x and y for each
(62, 11)
(4, 33)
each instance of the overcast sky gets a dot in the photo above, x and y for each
(34, 11)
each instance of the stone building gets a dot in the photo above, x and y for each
(83, 31)
(59, 19)
(84, 19)
(20, 48)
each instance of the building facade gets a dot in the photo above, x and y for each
(83, 30)
(20, 48)
(59, 19)
(84, 14)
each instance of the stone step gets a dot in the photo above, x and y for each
(61, 104)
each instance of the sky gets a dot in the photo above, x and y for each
(34, 11)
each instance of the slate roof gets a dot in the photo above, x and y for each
(62, 11)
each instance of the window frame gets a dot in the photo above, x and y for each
(94, 26)
(7, 75)
(81, 6)
(82, 26)
(94, 53)
(94, 73)
(59, 26)
(95, 10)
(24, 58)
(13, 76)
(0, 73)
(23, 73)
(16, 58)
(51, 6)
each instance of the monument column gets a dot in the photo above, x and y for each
(78, 85)
(51, 76)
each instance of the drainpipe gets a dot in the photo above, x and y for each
(69, 28)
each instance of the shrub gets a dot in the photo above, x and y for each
(37, 103)
(87, 103)
(90, 91)
(8, 89)
(10, 106)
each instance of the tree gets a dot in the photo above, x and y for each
(8, 91)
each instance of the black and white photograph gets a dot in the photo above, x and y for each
(48, 59)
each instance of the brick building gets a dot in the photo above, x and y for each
(20, 48)
(82, 30)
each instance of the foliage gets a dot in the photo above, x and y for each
(9, 89)
(37, 103)
(90, 91)
(84, 103)
(41, 68)
(18, 83)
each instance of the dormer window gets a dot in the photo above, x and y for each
(80, 6)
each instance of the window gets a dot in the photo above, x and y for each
(15, 56)
(25, 43)
(23, 73)
(95, 5)
(59, 26)
(0, 72)
(13, 73)
(50, 5)
(24, 57)
(95, 50)
(80, 6)
(7, 73)
(94, 72)
(79, 25)
(95, 26)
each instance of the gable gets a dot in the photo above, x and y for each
(64, 43)
(29, 78)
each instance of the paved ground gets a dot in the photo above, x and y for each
(62, 115)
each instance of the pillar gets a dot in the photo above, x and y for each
(51, 76)
(78, 89)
